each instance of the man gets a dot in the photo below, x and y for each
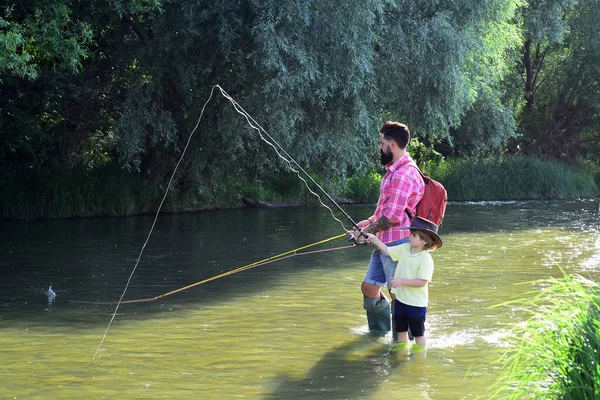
(401, 189)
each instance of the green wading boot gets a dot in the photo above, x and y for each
(378, 315)
(400, 348)
(417, 348)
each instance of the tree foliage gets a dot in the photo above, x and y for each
(123, 81)
(37, 33)
(562, 122)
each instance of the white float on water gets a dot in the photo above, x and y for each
(51, 295)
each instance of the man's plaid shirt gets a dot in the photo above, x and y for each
(401, 188)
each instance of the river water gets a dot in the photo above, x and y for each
(291, 329)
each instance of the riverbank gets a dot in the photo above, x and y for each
(554, 354)
(111, 191)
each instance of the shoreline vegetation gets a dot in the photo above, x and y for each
(112, 191)
(554, 354)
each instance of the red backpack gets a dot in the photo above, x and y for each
(432, 205)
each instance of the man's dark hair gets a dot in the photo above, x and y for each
(397, 132)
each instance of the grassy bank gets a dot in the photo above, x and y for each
(505, 178)
(111, 191)
(555, 354)
(515, 178)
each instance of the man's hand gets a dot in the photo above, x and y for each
(357, 237)
(364, 223)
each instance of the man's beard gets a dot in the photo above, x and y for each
(386, 158)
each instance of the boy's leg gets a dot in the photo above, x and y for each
(401, 321)
(416, 322)
(421, 341)
(389, 268)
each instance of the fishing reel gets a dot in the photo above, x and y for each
(354, 240)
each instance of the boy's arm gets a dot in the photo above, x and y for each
(408, 282)
(378, 244)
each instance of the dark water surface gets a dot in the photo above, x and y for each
(292, 329)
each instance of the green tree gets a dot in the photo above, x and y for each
(39, 33)
(320, 77)
(544, 28)
(563, 121)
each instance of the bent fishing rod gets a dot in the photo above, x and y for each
(258, 127)
(252, 122)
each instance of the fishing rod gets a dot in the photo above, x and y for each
(258, 127)
(278, 257)
(317, 185)
(252, 122)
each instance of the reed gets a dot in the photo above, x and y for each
(513, 178)
(48, 193)
(111, 191)
(555, 354)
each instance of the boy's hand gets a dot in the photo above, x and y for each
(396, 282)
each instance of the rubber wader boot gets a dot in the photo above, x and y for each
(378, 315)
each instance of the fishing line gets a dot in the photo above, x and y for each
(290, 161)
(278, 150)
(282, 256)
(153, 224)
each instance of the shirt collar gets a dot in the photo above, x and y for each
(395, 165)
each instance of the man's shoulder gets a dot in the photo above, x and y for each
(407, 169)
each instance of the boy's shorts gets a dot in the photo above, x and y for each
(382, 267)
(405, 316)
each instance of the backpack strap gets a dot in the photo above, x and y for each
(414, 164)
(423, 176)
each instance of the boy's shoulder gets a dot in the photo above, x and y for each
(398, 251)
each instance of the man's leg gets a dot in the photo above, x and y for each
(375, 302)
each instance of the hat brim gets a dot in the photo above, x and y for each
(437, 240)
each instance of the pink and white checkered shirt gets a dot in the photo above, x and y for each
(401, 188)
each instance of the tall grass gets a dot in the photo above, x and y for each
(555, 354)
(110, 191)
(50, 193)
(513, 178)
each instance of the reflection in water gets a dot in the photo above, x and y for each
(348, 371)
(290, 329)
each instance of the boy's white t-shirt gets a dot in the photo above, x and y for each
(412, 266)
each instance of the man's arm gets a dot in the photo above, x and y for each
(380, 224)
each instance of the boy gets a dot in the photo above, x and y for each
(410, 281)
